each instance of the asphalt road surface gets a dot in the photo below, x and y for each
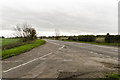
(61, 59)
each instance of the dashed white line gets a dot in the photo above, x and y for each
(26, 63)
(58, 44)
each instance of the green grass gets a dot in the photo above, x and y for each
(108, 44)
(8, 41)
(21, 49)
(113, 77)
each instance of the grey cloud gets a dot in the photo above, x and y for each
(96, 20)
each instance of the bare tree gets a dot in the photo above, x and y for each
(57, 33)
(25, 32)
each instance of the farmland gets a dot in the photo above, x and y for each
(8, 41)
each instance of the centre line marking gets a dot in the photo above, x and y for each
(26, 63)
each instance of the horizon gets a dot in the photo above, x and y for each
(66, 35)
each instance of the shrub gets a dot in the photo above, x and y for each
(74, 38)
(86, 38)
(100, 40)
(112, 39)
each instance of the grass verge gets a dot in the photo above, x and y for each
(113, 77)
(17, 50)
(108, 44)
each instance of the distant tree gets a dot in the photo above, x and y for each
(108, 38)
(2, 37)
(25, 32)
(57, 34)
(16, 37)
(108, 34)
(86, 38)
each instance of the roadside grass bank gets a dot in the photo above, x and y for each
(21, 49)
(97, 43)
(113, 77)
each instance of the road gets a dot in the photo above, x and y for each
(60, 59)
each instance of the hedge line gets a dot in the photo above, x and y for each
(86, 38)
(112, 39)
(92, 38)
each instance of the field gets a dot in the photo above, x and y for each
(19, 49)
(8, 41)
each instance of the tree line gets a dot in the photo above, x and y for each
(88, 38)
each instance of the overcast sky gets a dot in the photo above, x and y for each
(70, 17)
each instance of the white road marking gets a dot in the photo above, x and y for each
(67, 60)
(61, 47)
(26, 63)
(58, 44)
(42, 57)
(93, 52)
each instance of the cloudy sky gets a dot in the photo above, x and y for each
(70, 17)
